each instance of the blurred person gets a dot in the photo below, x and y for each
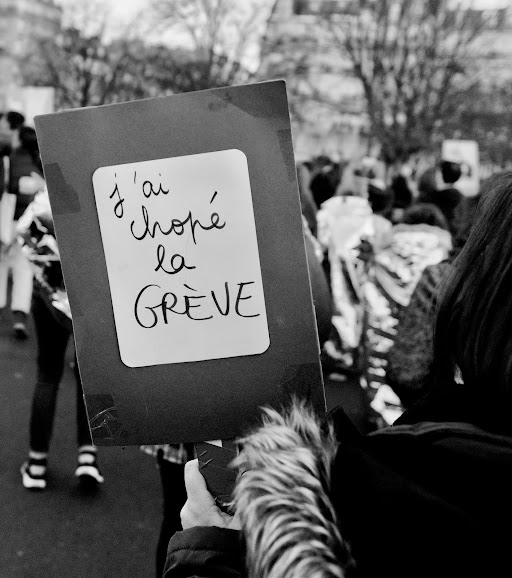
(53, 325)
(421, 239)
(426, 214)
(381, 202)
(10, 123)
(380, 197)
(358, 175)
(307, 202)
(427, 496)
(324, 179)
(25, 179)
(411, 357)
(438, 187)
(403, 196)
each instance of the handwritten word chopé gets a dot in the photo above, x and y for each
(177, 226)
(153, 306)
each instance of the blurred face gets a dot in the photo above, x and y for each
(5, 132)
(7, 135)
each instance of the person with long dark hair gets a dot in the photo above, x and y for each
(472, 330)
(427, 496)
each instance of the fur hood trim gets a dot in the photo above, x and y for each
(282, 498)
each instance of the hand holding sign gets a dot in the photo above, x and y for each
(200, 508)
(181, 241)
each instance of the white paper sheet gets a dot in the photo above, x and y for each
(182, 257)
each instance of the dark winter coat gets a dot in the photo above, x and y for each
(21, 165)
(423, 500)
(5, 151)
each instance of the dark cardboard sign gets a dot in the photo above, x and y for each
(179, 226)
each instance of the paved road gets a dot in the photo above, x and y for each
(62, 532)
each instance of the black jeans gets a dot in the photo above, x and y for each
(52, 340)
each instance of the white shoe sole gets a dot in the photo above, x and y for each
(87, 471)
(31, 483)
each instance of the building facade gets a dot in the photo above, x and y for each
(327, 100)
(327, 106)
(22, 22)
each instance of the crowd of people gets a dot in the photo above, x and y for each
(410, 283)
(386, 244)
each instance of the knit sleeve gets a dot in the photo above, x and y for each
(410, 358)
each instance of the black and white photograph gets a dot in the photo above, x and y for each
(255, 288)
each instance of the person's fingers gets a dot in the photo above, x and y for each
(200, 508)
(195, 484)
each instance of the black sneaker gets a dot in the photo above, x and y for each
(33, 474)
(87, 471)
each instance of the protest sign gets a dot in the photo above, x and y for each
(464, 152)
(179, 227)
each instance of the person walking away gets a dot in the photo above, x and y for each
(25, 179)
(53, 325)
(440, 189)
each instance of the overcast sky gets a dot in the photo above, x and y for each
(128, 8)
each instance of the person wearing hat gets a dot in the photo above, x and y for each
(437, 186)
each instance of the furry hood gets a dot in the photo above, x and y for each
(282, 498)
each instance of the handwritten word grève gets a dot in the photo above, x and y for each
(152, 306)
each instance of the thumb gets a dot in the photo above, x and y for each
(195, 483)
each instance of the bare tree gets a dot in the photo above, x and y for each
(218, 39)
(483, 113)
(88, 66)
(407, 55)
